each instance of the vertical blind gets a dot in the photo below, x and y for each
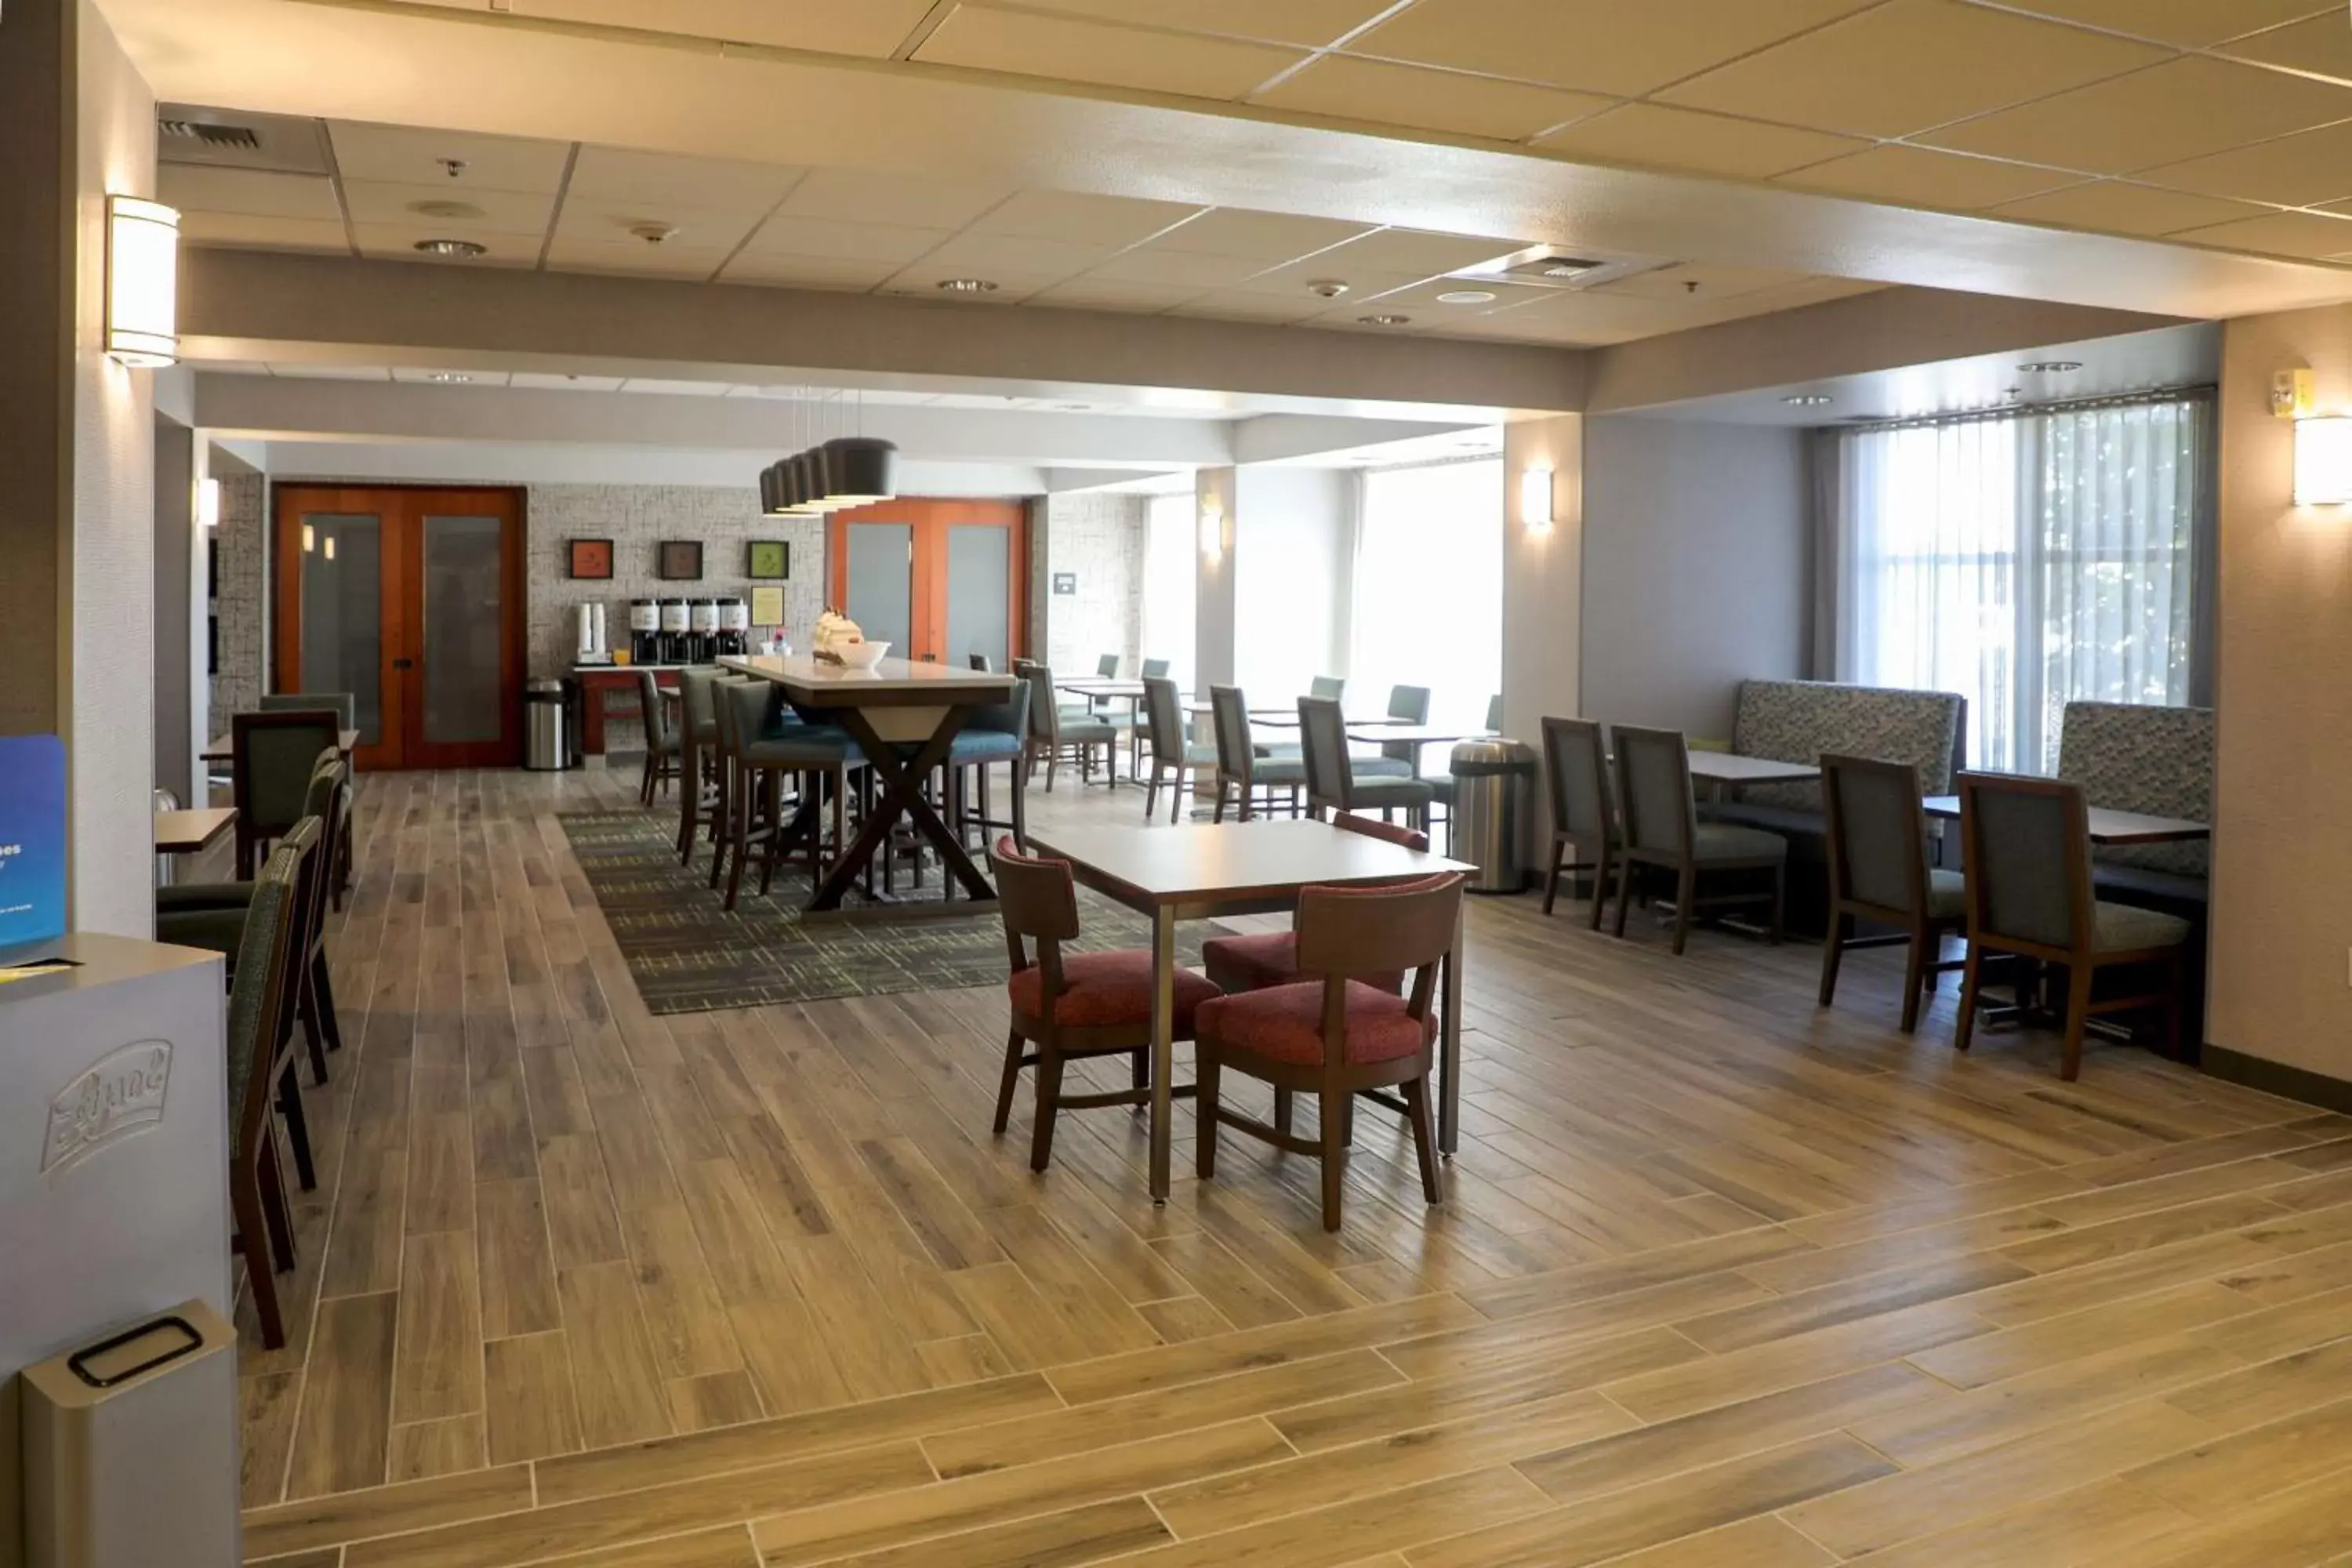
(2023, 560)
(1428, 599)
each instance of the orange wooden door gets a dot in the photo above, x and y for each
(908, 571)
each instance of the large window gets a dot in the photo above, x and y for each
(1169, 555)
(1428, 607)
(2023, 560)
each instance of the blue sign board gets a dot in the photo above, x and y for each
(32, 840)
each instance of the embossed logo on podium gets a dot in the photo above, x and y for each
(119, 1095)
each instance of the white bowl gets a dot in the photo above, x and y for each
(861, 655)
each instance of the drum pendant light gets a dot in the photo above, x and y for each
(772, 490)
(861, 468)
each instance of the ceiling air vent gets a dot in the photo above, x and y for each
(1554, 269)
(1548, 267)
(241, 137)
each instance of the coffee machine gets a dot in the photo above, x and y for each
(674, 627)
(702, 631)
(734, 627)
(644, 632)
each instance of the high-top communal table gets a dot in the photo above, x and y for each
(1200, 870)
(903, 714)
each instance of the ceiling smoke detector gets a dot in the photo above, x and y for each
(1326, 288)
(460, 247)
(1467, 297)
(966, 285)
(1385, 318)
(654, 232)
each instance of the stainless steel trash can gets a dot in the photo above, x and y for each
(1490, 801)
(544, 749)
(131, 1448)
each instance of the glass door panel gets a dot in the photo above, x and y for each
(980, 594)
(881, 583)
(463, 651)
(343, 613)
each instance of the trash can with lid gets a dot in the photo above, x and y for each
(544, 749)
(1491, 780)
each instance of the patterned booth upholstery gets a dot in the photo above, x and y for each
(2134, 757)
(1797, 720)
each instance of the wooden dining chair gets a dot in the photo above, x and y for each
(2026, 842)
(1332, 782)
(1174, 759)
(1072, 1006)
(1583, 809)
(1338, 1035)
(1663, 831)
(1879, 873)
(258, 1071)
(272, 756)
(1240, 768)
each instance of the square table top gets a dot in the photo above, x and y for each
(1732, 768)
(1230, 862)
(223, 748)
(187, 832)
(894, 682)
(1099, 685)
(1398, 733)
(2106, 826)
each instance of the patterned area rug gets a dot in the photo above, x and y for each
(688, 954)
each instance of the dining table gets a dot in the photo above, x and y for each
(905, 715)
(2106, 826)
(1205, 870)
(223, 748)
(1725, 770)
(191, 832)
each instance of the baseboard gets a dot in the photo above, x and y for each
(2277, 1078)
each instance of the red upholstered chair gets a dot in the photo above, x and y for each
(1271, 958)
(1338, 1036)
(1072, 1006)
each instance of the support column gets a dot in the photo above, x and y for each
(1214, 494)
(1543, 588)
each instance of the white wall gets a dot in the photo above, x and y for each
(1695, 568)
(1294, 561)
(1098, 540)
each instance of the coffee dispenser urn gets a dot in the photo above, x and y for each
(644, 632)
(702, 636)
(734, 627)
(674, 629)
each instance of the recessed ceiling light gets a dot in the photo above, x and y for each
(1809, 400)
(447, 376)
(452, 247)
(2049, 366)
(1326, 288)
(966, 285)
(1467, 297)
(1385, 318)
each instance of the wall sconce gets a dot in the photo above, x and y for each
(208, 503)
(142, 281)
(2323, 461)
(310, 539)
(330, 552)
(1213, 528)
(1535, 497)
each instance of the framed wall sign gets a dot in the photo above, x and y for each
(768, 560)
(767, 606)
(591, 558)
(1066, 582)
(680, 561)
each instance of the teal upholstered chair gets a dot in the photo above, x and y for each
(1053, 729)
(1332, 784)
(698, 762)
(274, 752)
(661, 739)
(1173, 756)
(763, 748)
(1663, 832)
(1330, 687)
(1240, 766)
(260, 1072)
(1155, 669)
(1396, 760)
(996, 734)
(345, 704)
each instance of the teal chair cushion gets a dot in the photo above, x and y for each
(984, 745)
(1380, 768)
(1388, 793)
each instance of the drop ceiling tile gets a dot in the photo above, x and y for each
(247, 192)
(1598, 46)
(542, 381)
(416, 375)
(1419, 251)
(986, 254)
(1311, 22)
(1096, 293)
(659, 387)
(330, 371)
(1227, 305)
(264, 233)
(924, 278)
(1652, 136)
(661, 180)
(1807, 291)
(2112, 206)
(1909, 65)
(908, 201)
(1692, 280)
(2299, 171)
(871, 27)
(405, 155)
(1265, 238)
(807, 271)
(1082, 219)
(2190, 23)
(1920, 177)
(2310, 235)
(1176, 268)
(398, 241)
(789, 234)
(491, 212)
(592, 222)
(2184, 108)
(1066, 50)
(1421, 298)
(2323, 44)
(633, 259)
(1363, 283)
(1381, 93)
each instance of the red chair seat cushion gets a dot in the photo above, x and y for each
(1256, 963)
(1284, 1024)
(1104, 989)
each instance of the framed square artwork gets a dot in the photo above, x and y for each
(591, 558)
(680, 561)
(768, 560)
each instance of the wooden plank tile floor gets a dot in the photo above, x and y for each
(1725, 1279)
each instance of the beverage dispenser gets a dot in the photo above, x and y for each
(675, 628)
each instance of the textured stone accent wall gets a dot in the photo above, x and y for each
(1101, 538)
(241, 551)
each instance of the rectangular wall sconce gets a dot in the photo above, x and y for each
(2323, 461)
(208, 503)
(1535, 497)
(142, 281)
(1212, 529)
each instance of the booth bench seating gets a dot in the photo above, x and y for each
(2159, 761)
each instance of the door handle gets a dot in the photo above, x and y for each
(403, 664)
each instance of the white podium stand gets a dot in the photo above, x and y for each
(113, 1168)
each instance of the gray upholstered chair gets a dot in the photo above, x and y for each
(347, 711)
(274, 752)
(998, 733)
(698, 762)
(1107, 667)
(1332, 780)
(1332, 686)
(1155, 669)
(1239, 766)
(2027, 845)
(661, 740)
(762, 750)
(1495, 714)
(979, 661)
(1397, 760)
(260, 1076)
(345, 704)
(1879, 873)
(1173, 756)
(1052, 730)
(1663, 831)
(1584, 812)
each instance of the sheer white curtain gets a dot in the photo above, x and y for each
(2023, 560)
(1428, 602)
(1170, 559)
